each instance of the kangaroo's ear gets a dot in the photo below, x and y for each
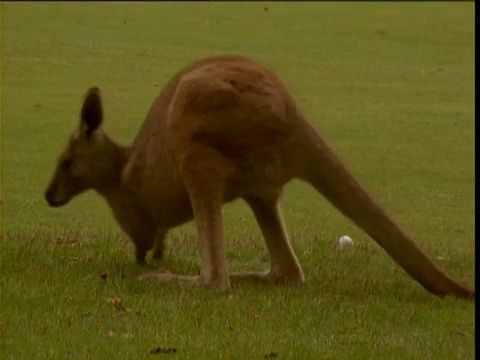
(92, 113)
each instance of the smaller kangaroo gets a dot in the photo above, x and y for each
(225, 127)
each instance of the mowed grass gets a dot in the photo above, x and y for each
(389, 85)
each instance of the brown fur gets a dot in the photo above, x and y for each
(223, 128)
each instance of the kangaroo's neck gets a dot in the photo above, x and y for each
(122, 200)
(110, 182)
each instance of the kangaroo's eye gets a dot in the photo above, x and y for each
(66, 164)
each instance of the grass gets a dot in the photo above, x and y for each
(389, 85)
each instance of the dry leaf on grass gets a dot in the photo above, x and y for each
(163, 350)
(117, 303)
(271, 355)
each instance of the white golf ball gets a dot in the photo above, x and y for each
(345, 242)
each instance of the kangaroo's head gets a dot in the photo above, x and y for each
(90, 161)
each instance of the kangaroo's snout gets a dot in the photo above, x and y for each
(49, 197)
(52, 201)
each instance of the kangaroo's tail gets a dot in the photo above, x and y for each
(326, 172)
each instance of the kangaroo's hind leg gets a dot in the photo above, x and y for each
(284, 263)
(204, 172)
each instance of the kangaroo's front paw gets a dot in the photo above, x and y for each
(140, 255)
(157, 254)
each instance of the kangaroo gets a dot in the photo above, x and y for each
(223, 128)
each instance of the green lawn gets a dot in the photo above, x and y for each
(389, 85)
